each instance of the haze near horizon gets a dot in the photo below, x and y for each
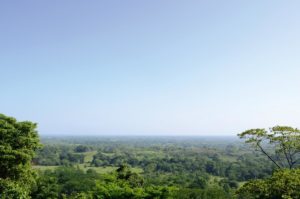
(150, 67)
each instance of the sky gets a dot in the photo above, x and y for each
(150, 67)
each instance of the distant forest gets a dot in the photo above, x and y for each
(148, 167)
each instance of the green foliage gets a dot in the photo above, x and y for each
(81, 149)
(12, 190)
(18, 142)
(283, 144)
(123, 168)
(147, 170)
(74, 183)
(181, 160)
(45, 187)
(283, 184)
(212, 192)
(53, 156)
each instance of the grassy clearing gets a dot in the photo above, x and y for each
(228, 158)
(108, 169)
(86, 165)
(43, 168)
(242, 183)
(213, 180)
(100, 170)
(88, 156)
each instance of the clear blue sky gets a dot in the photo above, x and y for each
(150, 67)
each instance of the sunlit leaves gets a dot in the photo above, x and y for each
(281, 144)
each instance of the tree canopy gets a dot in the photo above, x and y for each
(18, 142)
(284, 183)
(281, 144)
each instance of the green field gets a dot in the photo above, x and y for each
(101, 170)
(86, 165)
(88, 156)
(44, 168)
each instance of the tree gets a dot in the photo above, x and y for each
(284, 183)
(81, 149)
(18, 142)
(45, 187)
(280, 144)
(12, 190)
(123, 172)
